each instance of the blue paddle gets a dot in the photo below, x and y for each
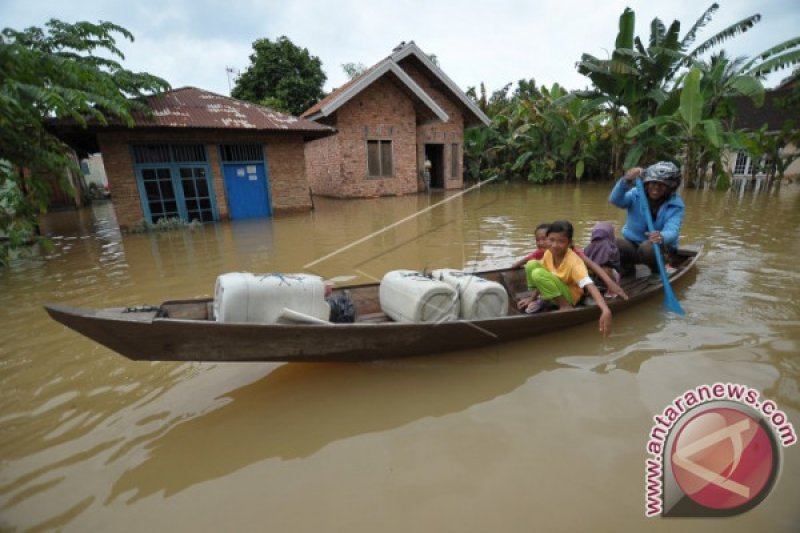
(670, 301)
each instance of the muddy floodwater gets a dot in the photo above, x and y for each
(546, 434)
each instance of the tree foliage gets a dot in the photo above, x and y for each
(644, 81)
(676, 103)
(538, 135)
(61, 71)
(281, 75)
(651, 99)
(353, 70)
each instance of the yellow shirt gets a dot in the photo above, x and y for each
(572, 271)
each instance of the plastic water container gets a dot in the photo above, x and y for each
(408, 296)
(262, 298)
(479, 298)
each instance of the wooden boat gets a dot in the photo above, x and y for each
(185, 330)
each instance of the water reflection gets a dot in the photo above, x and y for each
(296, 410)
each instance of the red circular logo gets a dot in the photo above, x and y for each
(722, 458)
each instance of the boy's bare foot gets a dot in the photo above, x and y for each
(523, 303)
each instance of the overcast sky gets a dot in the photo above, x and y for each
(191, 42)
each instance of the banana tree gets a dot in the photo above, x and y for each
(582, 124)
(771, 147)
(615, 79)
(639, 80)
(687, 127)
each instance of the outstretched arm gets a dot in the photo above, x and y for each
(612, 285)
(604, 324)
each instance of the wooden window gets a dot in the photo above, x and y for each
(151, 153)
(174, 181)
(241, 152)
(196, 194)
(164, 153)
(454, 161)
(160, 192)
(742, 163)
(188, 153)
(747, 166)
(379, 158)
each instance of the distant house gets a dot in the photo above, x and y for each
(389, 121)
(201, 156)
(773, 114)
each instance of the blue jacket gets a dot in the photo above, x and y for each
(668, 220)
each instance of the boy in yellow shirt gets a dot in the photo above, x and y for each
(561, 276)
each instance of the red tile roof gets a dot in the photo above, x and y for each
(189, 107)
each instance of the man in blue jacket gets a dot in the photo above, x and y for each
(661, 181)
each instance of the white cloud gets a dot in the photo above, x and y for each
(190, 61)
(191, 42)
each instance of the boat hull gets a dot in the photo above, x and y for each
(144, 335)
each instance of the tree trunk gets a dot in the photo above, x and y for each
(615, 147)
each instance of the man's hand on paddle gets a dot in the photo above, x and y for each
(633, 173)
(654, 237)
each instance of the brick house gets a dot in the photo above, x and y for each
(389, 120)
(201, 155)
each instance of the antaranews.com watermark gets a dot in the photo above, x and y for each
(715, 450)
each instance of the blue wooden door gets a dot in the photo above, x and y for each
(246, 185)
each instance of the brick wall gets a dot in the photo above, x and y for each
(337, 165)
(121, 179)
(285, 165)
(447, 134)
(324, 166)
(287, 175)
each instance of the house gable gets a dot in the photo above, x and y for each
(338, 165)
(402, 112)
(410, 54)
(386, 68)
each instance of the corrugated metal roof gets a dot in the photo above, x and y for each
(190, 107)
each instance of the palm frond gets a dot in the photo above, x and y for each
(766, 54)
(731, 31)
(627, 26)
(775, 63)
(704, 19)
(639, 46)
(657, 31)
